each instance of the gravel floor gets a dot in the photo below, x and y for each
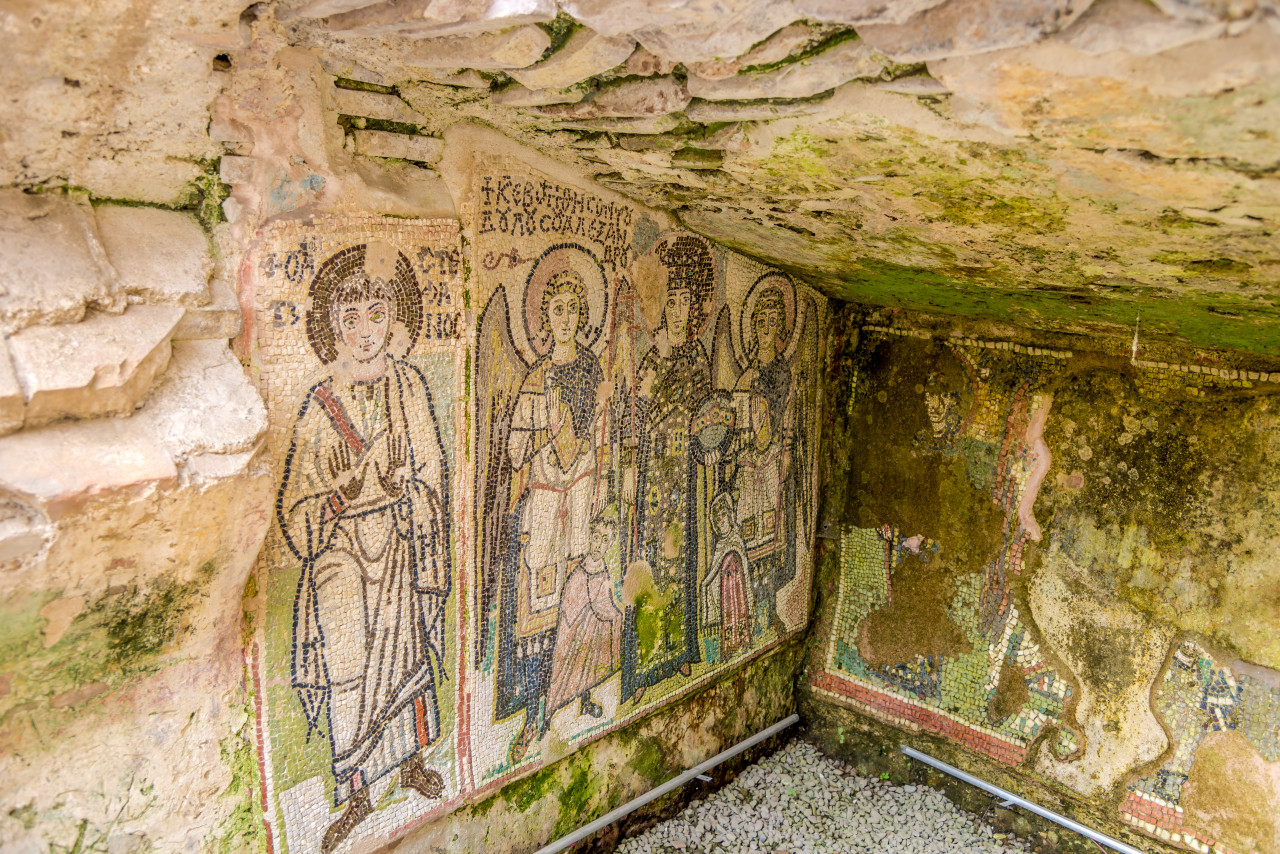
(799, 801)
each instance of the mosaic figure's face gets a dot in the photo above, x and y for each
(363, 326)
(562, 313)
(768, 327)
(601, 539)
(676, 310)
(723, 519)
(939, 407)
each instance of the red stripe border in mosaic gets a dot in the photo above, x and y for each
(899, 709)
(1164, 822)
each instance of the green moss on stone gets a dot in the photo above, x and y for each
(243, 829)
(559, 30)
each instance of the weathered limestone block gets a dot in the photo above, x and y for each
(204, 404)
(466, 79)
(699, 31)
(1213, 10)
(521, 96)
(440, 18)
(104, 365)
(325, 8)
(585, 54)
(220, 318)
(651, 96)
(373, 105)
(514, 48)
(709, 112)
(113, 99)
(660, 124)
(1213, 98)
(917, 84)
(1135, 26)
(162, 256)
(965, 27)
(347, 66)
(645, 64)
(785, 42)
(51, 263)
(861, 11)
(403, 146)
(12, 402)
(846, 61)
(60, 467)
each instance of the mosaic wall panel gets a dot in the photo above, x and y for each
(360, 354)
(645, 414)
(525, 496)
(981, 465)
(978, 413)
(1199, 697)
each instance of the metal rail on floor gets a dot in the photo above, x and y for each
(674, 783)
(1011, 798)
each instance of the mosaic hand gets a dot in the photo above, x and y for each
(342, 462)
(555, 415)
(397, 458)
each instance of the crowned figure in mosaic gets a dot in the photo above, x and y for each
(364, 505)
(660, 635)
(541, 485)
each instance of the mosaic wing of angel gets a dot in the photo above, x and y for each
(806, 363)
(499, 372)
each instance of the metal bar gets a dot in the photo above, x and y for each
(1010, 797)
(674, 783)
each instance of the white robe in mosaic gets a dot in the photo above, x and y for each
(370, 608)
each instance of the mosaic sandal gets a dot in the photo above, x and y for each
(357, 811)
(590, 707)
(414, 775)
(520, 746)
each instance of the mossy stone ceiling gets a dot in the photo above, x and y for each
(1056, 163)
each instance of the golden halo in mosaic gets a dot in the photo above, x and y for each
(552, 262)
(776, 282)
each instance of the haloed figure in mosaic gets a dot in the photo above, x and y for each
(661, 630)
(553, 446)
(364, 504)
(766, 507)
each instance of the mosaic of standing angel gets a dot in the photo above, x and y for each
(770, 384)
(661, 479)
(542, 465)
(364, 505)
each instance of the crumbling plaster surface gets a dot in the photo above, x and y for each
(133, 501)
(1134, 684)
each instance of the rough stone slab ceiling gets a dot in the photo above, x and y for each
(1107, 157)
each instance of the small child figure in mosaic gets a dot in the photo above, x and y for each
(589, 635)
(364, 504)
(727, 602)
